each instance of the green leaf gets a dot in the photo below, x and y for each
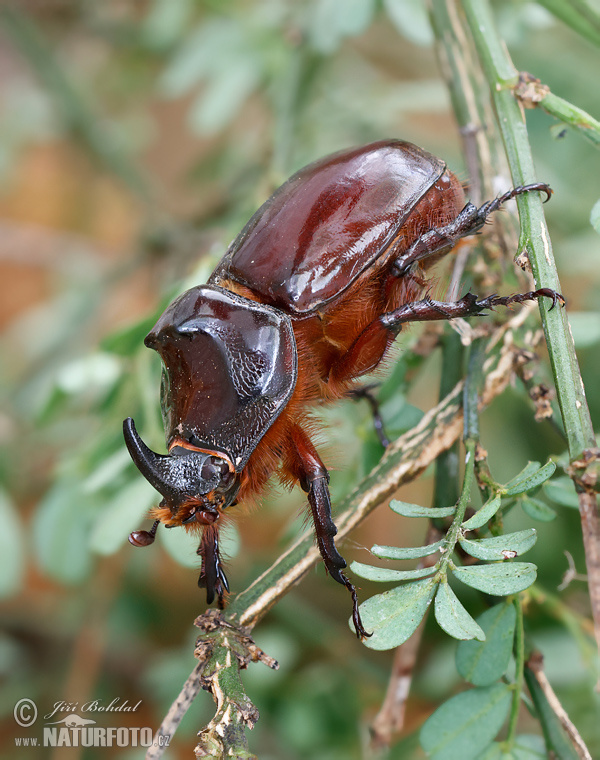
(595, 216)
(562, 491)
(585, 328)
(483, 515)
(466, 724)
(12, 548)
(484, 662)
(410, 19)
(395, 615)
(499, 579)
(529, 478)
(372, 573)
(409, 552)
(415, 510)
(121, 515)
(529, 747)
(453, 617)
(61, 532)
(332, 21)
(494, 752)
(537, 509)
(508, 546)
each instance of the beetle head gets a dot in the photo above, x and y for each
(186, 477)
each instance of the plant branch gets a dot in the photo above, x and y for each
(548, 706)
(502, 78)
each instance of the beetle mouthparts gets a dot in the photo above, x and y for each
(176, 477)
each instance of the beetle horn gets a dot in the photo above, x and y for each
(158, 469)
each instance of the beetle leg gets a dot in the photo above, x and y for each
(370, 346)
(468, 222)
(212, 576)
(366, 392)
(468, 306)
(314, 479)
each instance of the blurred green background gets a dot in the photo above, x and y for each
(136, 140)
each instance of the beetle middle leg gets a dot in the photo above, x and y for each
(369, 347)
(314, 479)
(468, 222)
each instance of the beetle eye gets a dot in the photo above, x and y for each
(215, 467)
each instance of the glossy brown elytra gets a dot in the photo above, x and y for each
(308, 298)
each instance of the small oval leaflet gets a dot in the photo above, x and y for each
(466, 724)
(453, 617)
(499, 579)
(561, 491)
(372, 573)
(403, 552)
(529, 478)
(395, 615)
(483, 662)
(481, 517)
(537, 509)
(415, 510)
(498, 546)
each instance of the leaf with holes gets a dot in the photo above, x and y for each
(484, 662)
(415, 510)
(508, 546)
(395, 615)
(466, 724)
(499, 579)
(453, 617)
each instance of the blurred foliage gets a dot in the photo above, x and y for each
(138, 139)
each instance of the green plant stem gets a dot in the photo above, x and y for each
(502, 77)
(471, 438)
(519, 651)
(574, 117)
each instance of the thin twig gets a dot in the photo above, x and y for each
(170, 724)
(535, 664)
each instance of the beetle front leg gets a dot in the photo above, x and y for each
(212, 576)
(468, 222)
(314, 479)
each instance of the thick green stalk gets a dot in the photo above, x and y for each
(502, 77)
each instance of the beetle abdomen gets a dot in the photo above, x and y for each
(328, 223)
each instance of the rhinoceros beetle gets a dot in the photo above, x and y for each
(307, 298)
